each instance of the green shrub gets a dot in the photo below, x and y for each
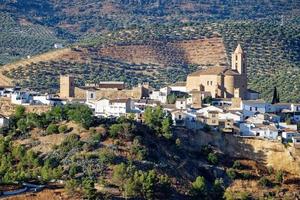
(106, 156)
(212, 158)
(199, 187)
(231, 173)
(279, 176)
(63, 128)
(237, 165)
(264, 182)
(52, 129)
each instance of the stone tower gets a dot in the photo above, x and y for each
(238, 63)
(67, 86)
(238, 60)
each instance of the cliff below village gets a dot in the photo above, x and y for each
(269, 153)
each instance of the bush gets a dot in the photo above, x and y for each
(71, 186)
(264, 182)
(212, 158)
(63, 128)
(199, 187)
(231, 173)
(237, 165)
(52, 129)
(106, 156)
(279, 176)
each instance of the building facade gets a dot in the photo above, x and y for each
(220, 81)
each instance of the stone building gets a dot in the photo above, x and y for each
(67, 86)
(222, 82)
(108, 89)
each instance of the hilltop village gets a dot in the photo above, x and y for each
(216, 98)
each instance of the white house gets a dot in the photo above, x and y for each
(160, 95)
(268, 131)
(252, 107)
(296, 142)
(288, 135)
(206, 110)
(21, 98)
(181, 104)
(116, 107)
(178, 87)
(4, 122)
(234, 116)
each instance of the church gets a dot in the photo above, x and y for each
(223, 82)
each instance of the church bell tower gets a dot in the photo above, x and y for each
(238, 60)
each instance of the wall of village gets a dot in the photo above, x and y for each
(134, 93)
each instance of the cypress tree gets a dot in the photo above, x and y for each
(275, 96)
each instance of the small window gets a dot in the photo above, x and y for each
(236, 57)
(92, 95)
(250, 108)
(255, 108)
(211, 82)
(179, 117)
(207, 82)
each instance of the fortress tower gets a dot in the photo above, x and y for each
(67, 86)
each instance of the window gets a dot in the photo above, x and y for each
(213, 115)
(211, 82)
(179, 116)
(213, 121)
(250, 108)
(92, 95)
(207, 82)
(236, 57)
(255, 108)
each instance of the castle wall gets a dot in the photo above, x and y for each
(134, 93)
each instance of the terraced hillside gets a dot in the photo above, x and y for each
(158, 63)
(133, 55)
(21, 38)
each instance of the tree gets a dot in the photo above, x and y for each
(20, 111)
(22, 125)
(115, 130)
(231, 173)
(81, 114)
(166, 128)
(212, 158)
(275, 96)
(218, 189)
(199, 187)
(88, 187)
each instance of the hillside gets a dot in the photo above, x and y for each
(158, 62)
(120, 159)
(272, 49)
(40, 23)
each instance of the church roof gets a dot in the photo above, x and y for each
(209, 71)
(238, 49)
(215, 71)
